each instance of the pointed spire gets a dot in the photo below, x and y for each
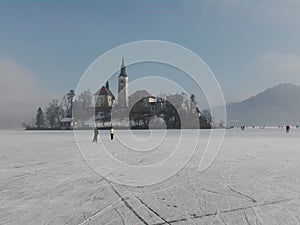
(123, 64)
(123, 69)
(107, 85)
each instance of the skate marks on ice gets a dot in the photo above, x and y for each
(241, 187)
(168, 208)
(252, 181)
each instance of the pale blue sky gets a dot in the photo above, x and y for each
(249, 45)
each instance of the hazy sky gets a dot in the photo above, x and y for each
(45, 46)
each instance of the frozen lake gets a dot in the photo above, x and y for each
(44, 178)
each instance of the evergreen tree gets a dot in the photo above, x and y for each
(68, 103)
(193, 103)
(39, 122)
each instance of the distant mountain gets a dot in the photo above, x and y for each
(278, 105)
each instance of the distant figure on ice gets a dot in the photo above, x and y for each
(287, 128)
(95, 134)
(111, 133)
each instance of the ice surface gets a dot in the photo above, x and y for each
(255, 179)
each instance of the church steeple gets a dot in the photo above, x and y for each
(123, 86)
(123, 64)
(123, 69)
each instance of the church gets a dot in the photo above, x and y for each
(106, 103)
(104, 98)
(138, 109)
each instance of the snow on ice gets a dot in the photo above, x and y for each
(255, 179)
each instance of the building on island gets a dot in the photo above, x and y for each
(140, 108)
(104, 101)
(104, 97)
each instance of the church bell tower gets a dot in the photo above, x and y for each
(123, 86)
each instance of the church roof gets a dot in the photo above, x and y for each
(141, 94)
(105, 91)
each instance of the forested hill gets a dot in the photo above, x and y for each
(278, 105)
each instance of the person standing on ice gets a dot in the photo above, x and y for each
(95, 134)
(111, 133)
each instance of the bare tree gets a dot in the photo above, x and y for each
(54, 113)
(83, 106)
(205, 114)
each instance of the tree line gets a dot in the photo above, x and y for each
(79, 109)
(51, 116)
